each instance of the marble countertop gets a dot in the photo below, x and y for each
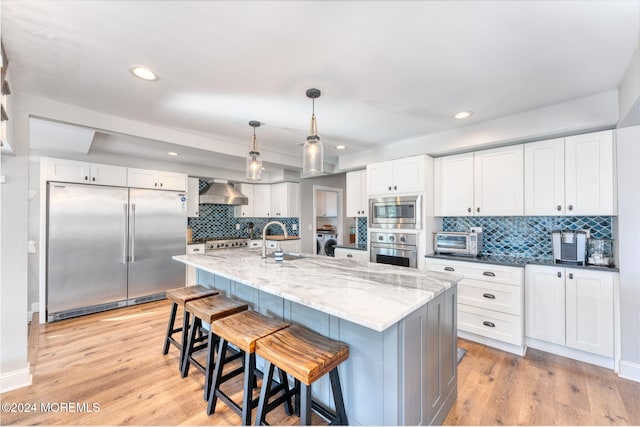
(516, 261)
(372, 295)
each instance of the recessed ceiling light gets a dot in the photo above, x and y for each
(143, 73)
(340, 147)
(173, 153)
(463, 115)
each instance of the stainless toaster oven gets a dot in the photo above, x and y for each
(457, 242)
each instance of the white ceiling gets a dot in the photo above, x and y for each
(388, 70)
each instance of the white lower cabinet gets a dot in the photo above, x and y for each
(571, 307)
(356, 254)
(490, 302)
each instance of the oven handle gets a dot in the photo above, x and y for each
(393, 246)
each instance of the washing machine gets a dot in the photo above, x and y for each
(326, 243)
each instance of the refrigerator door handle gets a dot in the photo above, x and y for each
(125, 230)
(133, 232)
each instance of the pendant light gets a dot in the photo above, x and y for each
(312, 161)
(254, 163)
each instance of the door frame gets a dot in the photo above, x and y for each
(340, 215)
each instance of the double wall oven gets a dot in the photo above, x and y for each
(394, 245)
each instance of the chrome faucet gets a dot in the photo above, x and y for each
(264, 235)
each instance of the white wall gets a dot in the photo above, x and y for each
(14, 366)
(628, 156)
(629, 91)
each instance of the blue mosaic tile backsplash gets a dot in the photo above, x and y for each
(528, 236)
(362, 232)
(218, 221)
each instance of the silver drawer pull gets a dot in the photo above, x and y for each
(449, 269)
(489, 273)
(195, 250)
(349, 256)
(489, 296)
(489, 324)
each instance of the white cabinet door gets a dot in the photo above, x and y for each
(545, 304)
(142, 178)
(172, 181)
(326, 203)
(499, 181)
(262, 200)
(544, 177)
(380, 178)
(285, 199)
(589, 174)
(108, 175)
(453, 185)
(245, 210)
(354, 254)
(356, 194)
(408, 175)
(193, 197)
(589, 306)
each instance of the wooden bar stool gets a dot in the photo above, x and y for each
(207, 310)
(179, 297)
(242, 330)
(306, 356)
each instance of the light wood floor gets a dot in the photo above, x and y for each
(114, 359)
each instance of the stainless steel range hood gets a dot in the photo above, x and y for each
(221, 193)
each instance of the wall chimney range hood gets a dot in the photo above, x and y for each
(222, 193)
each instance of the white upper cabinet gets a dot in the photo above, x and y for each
(570, 176)
(245, 210)
(261, 201)
(544, 177)
(453, 182)
(589, 184)
(83, 172)
(499, 181)
(145, 178)
(483, 183)
(395, 177)
(357, 204)
(285, 199)
(193, 197)
(327, 203)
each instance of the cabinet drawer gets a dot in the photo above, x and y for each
(485, 272)
(493, 296)
(195, 249)
(490, 324)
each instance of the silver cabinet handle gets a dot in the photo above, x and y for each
(395, 187)
(349, 256)
(133, 232)
(160, 185)
(570, 207)
(559, 274)
(125, 229)
(478, 209)
(570, 275)
(389, 188)
(155, 184)
(489, 296)
(489, 273)
(449, 269)
(489, 324)
(86, 178)
(93, 179)
(195, 250)
(559, 208)
(469, 210)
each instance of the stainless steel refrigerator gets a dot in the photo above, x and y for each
(109, 247)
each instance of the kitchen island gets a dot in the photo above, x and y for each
(399, 323)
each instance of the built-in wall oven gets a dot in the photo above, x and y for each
(394, 248)
(395, 212)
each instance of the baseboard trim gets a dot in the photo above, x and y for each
(629, 370)
(520, 350)
(15, 379)
(582, 356)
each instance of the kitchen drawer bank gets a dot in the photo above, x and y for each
(400, 325)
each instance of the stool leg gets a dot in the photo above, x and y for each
(341, 414)
(208, 374)
(247, 401)
(297, 398)
(172, 319)
(264, 391)
(305, 405)
(288, 408)
(189, 346)
(217, 376)
(183, 344)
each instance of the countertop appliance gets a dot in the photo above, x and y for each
(225, 243)
(395, 212)
(109, 247)
(457, 242)
(600, 252)
(569, 246)
(394, 248)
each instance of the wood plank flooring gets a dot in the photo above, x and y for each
(114, 359)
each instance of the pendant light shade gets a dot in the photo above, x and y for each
(254, 163)
(312, 156)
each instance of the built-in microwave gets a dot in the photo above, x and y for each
(457, 242)
(395, 212)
